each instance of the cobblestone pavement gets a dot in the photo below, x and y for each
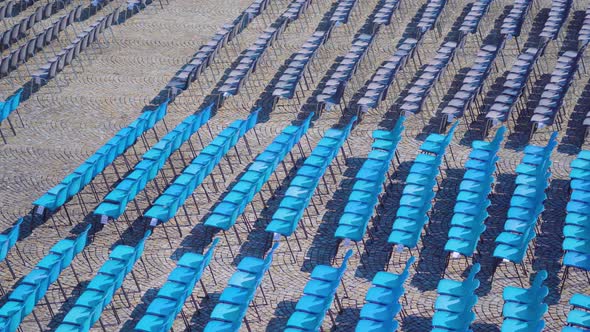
(71, 117)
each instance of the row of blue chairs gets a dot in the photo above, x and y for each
(421, 88)
(523, 308)
(115, 202)
(470, 211)
(576, 230)
(34, 286)
(162, 311)
(527, 202)
(552, 98)
(369, 182)
(382, 301)
(207, 53)
(512, 24)
(416, 200)
(168, 203)
(302, 187)
(343, 11)
(100, 291)
(472, 84)
(557, 15)
(471, 22)
(453, 309)
(378, 87)
(291, 78)
(235, 299)
(334, 88)
(318, 295)
(385, 13)
(232, 205)
(513, 88)
(73, 183)
(578, 319)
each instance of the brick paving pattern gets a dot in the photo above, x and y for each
(73, 115)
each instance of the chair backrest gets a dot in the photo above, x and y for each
(470, 280)
(22, 53)
(22, 28)
(209, 254)
(451, 132)
(539, 278)
(82, 239)
(552, 143)
(499, 137)
(14, 58)
(14, 32)
(14, 232)
(47, 10)
(78, 14)
(342, 267)
(141, 244)
(31, 47)
(269, 256)
(406, 272)
(4, 66)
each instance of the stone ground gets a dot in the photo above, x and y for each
(72, 116)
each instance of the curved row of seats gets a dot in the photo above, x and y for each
(576, 229)
(527, 202)
(523, 308)
(382, 301)
(152, 161)
(557, 15)
(416, 200)
(549, 106)
(385, 13)
(343, 11)
(317, 298)
(71, 52)
(471, 22)
(368, 184)
(74, 182)
(512, 24)
(164, 308)
(174, 196)
(472, 202)
(513, 89)
(228, 313)
(302, 187)
(101, 289)
(250, 183)
(33, 287)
